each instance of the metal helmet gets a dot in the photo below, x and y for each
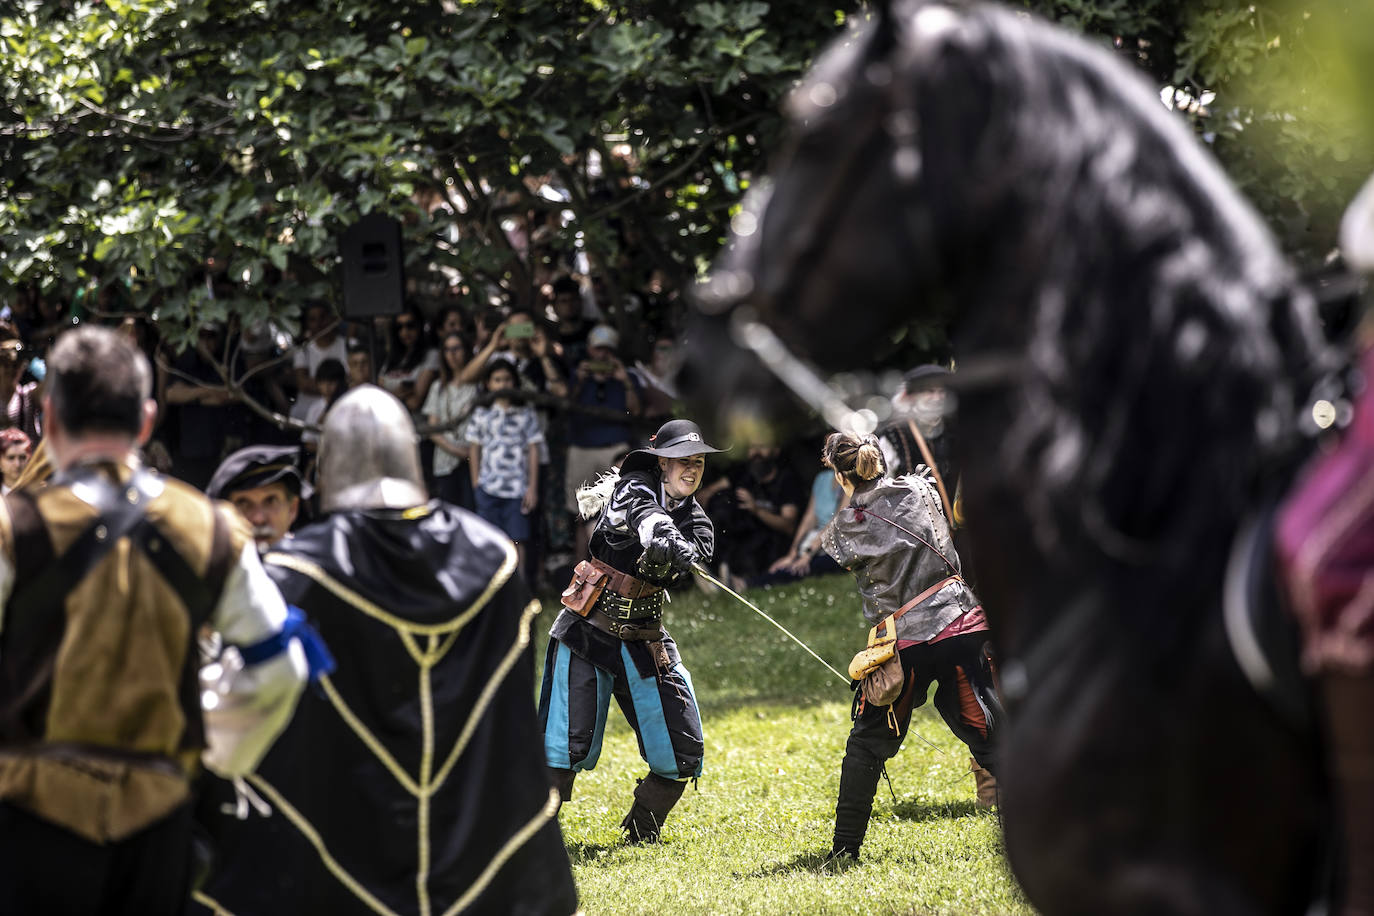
(369, 457)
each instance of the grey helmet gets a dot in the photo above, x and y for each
(369, 457)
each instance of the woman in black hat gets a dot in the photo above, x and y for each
(609, 638)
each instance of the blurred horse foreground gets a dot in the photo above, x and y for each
(1135, 356)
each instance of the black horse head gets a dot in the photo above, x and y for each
(1133, 359)
(1095, 263)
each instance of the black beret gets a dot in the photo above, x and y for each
(257, 466)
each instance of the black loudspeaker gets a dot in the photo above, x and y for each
(373, 267)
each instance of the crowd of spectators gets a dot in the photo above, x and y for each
(518, 409)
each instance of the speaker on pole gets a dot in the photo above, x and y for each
(373, 267)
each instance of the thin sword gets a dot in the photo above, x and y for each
(701, 571)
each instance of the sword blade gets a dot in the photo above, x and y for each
(701, 571)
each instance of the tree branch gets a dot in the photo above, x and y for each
(671, 173)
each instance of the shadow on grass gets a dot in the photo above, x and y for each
(819, 863)
(590, 853)
(921, 811)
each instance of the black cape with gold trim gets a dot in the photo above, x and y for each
(417, 765)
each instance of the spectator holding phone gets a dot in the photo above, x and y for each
(595, 441)
(525, 343)
(486, 328)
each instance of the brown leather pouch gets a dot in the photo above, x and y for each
(883, 684)
(586, 586)
(878, 668)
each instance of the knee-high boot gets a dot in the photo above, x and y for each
(858, 782)
(655, 796)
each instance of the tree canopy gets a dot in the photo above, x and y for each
(147, 143)
(1279, 89)
(146, 136)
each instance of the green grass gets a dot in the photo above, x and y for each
(751, 836)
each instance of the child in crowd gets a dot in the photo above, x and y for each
(504, 462)
(331, 381)
(360, 366)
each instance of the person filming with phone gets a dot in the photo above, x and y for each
(595, 441)
(524, 343)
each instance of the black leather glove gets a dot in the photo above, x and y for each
(655, 562)
(667, 552)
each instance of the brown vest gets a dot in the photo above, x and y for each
(100, 723)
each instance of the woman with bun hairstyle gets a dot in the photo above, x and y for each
(894, 538)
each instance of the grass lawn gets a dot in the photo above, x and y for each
(751, 837)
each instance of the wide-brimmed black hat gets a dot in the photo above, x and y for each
(674, 439)
(257, 466)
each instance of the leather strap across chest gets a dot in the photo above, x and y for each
(35, 623)
(914, 602)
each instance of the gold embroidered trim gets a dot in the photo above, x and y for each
(522, 639)
(310, 833)
(521, 837)
(439, 640)
(365, 735)
(315, 572)
(210, 903)
(426, 766)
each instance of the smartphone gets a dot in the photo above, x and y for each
(520, 329)
(600, 365)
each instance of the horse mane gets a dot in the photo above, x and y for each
(1165, 347)
(1133, 360)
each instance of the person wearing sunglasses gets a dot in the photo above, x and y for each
(412, 363)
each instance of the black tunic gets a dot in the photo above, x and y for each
(637, 503)
(421, 615)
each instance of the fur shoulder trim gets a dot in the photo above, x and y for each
(593, 496)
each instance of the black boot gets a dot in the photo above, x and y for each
(858, 781)
(562, 780)
(654, 798)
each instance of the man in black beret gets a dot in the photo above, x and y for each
(265, 483)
